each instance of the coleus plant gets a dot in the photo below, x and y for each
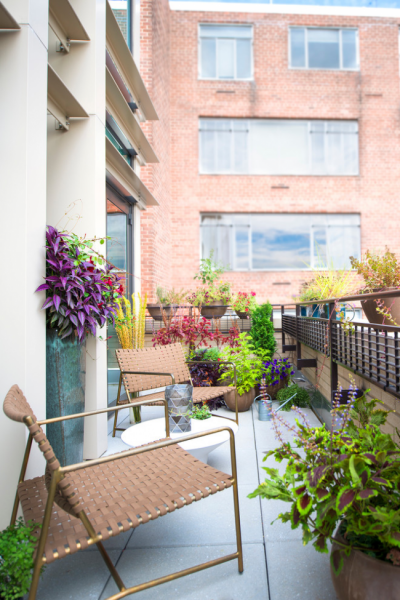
(350, 475)
(79, 294)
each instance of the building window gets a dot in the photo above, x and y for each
(262, 242)
(225, 52)
(312, 48)
(278, 147)
(122, 10)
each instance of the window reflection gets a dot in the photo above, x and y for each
(281, 241)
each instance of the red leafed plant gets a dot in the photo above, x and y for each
(194, 332)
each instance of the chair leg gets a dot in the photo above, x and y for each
(117, 403)
(114, 573)
(43, 537)
(115, 423)
(236, 503)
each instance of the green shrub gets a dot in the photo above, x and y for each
(17, 545)
(262, 329)
(301, 398)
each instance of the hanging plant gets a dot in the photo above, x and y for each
(81, 291)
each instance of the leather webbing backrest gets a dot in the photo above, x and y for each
(162, 359)
(17, 408)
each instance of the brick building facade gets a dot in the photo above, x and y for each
(367, 96)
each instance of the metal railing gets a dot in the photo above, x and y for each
(368, 349)
(223, 324)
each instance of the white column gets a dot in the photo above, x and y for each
(23, 102)
(76, 173)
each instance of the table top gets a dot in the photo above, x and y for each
(154, 429)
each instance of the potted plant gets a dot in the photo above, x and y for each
(212, 300)
(249, 370)
(324, 285)
(381, 272)
(293, 395)
(81, 294)
(167, 301)
(345, 480)
(17, 547)
(243, 304)
(277, 375)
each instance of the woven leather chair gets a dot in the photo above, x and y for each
(83, 504)
(149, 368)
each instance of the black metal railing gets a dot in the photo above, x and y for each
(223, 324)
(368, 349)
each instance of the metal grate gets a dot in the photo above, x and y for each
(372, 351)
(289, 325)
(311, 332)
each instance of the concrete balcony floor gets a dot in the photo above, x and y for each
(276, 564)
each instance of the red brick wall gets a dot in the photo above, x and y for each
(372, 96)
(155, 221)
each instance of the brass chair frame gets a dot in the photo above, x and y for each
(162, 397)
(59, 473)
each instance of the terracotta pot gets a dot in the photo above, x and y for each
(365, 578)
(392, 303)
(272, 390)
(244, 401)
(242, 314)
(213, 310)
(155, 311)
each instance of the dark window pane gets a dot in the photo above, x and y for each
(208, 60)
(323, 49)
(297, 48)
(349, 48)
(243, 59)
(117, 245)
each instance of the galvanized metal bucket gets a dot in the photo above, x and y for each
(264, 407)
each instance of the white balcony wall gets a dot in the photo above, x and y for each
(76, 174)
(23, 102)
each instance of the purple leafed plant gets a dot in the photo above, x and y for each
(79, 295)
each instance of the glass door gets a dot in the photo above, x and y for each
(120, 255)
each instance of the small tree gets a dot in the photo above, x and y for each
(262, 329)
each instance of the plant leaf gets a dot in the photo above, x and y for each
(345, 499)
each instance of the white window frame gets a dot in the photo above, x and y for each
(199, 38)
(309, 174)
(307, 68)
(312, 264)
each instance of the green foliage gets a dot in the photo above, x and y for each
(172, 296)
(301, 397)
(352, 472)
(379, 270)
(85, 250)
(17, 545)
(326, 284)
(262, 329)
(211, 354)
(249, 365)
(209, 271)
(201, 412)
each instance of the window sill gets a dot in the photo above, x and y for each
(273, 175)
(324, 70)
(225, 80)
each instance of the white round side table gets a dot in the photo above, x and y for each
(154, 429)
